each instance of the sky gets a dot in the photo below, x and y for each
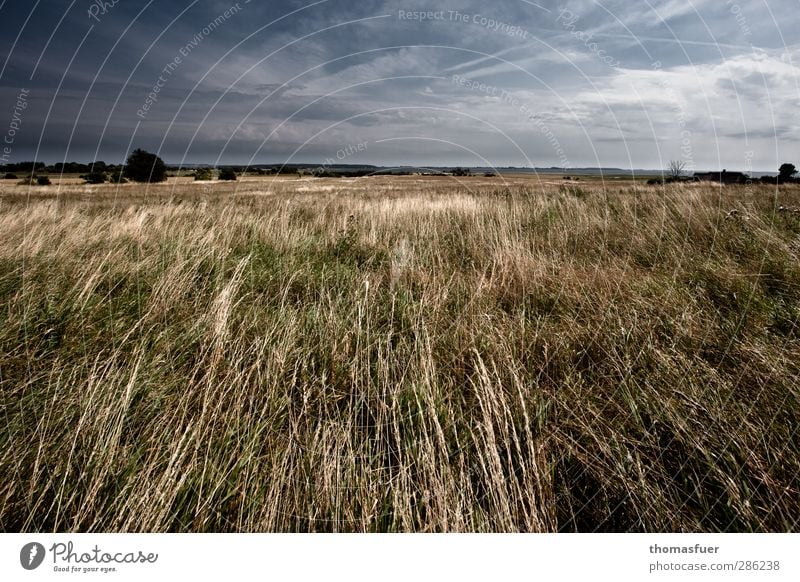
(575, 83)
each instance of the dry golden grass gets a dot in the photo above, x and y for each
(399, 354)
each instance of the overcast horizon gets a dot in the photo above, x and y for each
(392, 83)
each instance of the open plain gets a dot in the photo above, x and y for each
(413, 353)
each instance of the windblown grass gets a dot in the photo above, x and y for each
(399, 355)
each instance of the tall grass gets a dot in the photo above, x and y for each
(399, 355)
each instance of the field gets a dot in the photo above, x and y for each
(399, 354)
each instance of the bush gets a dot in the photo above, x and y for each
(95, 178)
(227, 174)
(37, 180)
(115, 176)
(11, 177)
(662, 181)
(142, 166)
(203, 174)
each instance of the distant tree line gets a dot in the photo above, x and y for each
(94, 173)
(59, 168)
(675, 172)
(141, 166)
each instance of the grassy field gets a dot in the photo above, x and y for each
(399, 354)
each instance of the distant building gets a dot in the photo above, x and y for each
(723, 177)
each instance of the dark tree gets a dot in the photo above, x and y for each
(95, 178)
(786, 172)
(143, 166)
(227, 174)
(203, 174)
(675, 169)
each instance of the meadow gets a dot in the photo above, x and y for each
(412, 354)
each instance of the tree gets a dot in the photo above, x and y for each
(675, 169)
(785, 172)
(95, 178)
(203, 174)
(142, 166)
(227, 174)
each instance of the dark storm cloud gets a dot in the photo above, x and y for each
(609, 84)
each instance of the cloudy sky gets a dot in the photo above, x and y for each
(510, 82)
